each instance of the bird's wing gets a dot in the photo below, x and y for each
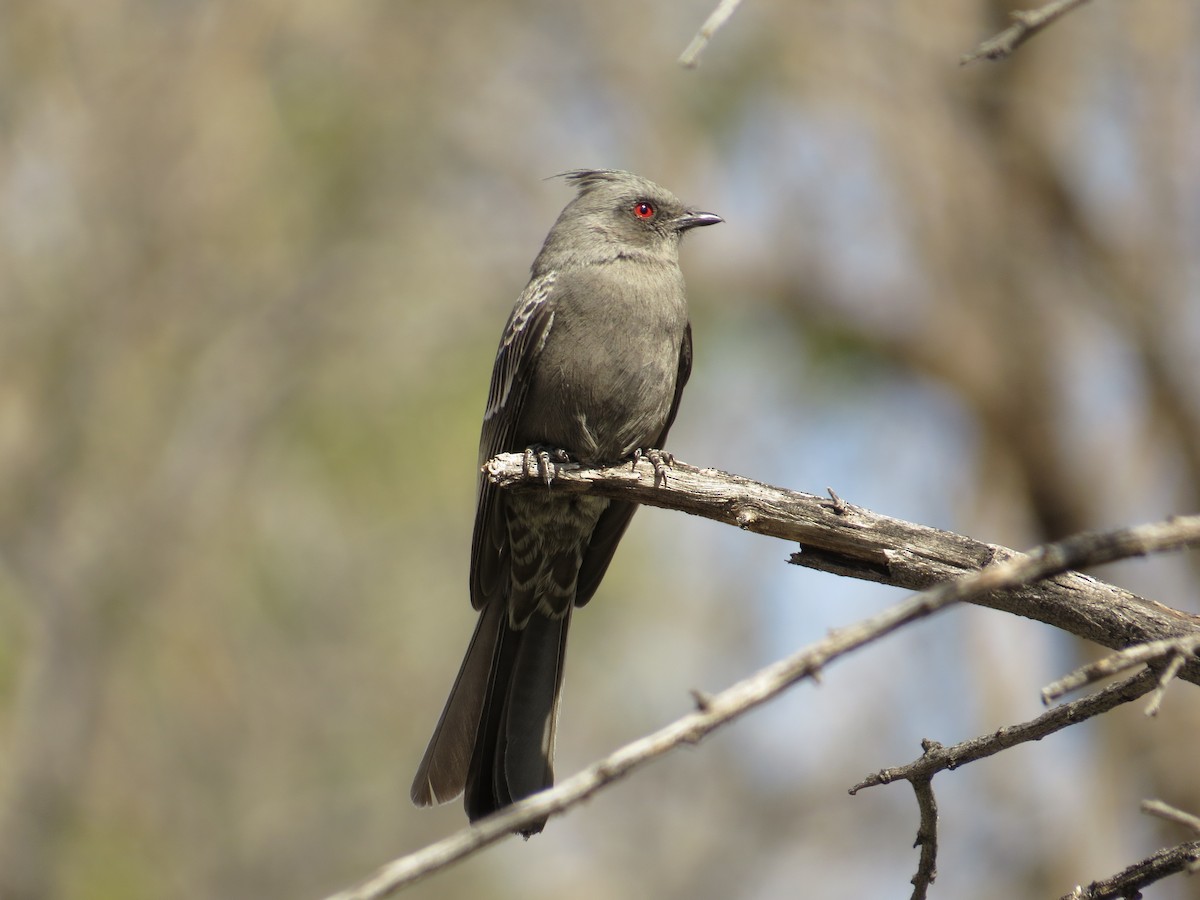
(524, 337)
(681, 379)
(615, 519)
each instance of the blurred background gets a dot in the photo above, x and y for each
(255, 257)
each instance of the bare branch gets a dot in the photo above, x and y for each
(1175, 650)
(690, 58)
(937, 758)
(1130, 881)
(1171, 814)
(926, 837)
(1168, 674)
(711, 712)
(1026, 23)
(844, 539)
(714, 711)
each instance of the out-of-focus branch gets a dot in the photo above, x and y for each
(1171, 814)
(690, 58)
(1026, 23)
(713, 711)
(51, 745)
(844, 539)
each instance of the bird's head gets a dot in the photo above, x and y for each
(621, 214)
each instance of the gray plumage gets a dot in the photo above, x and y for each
(593, 361)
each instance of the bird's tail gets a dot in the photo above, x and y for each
(495, 738)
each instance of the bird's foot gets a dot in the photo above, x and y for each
(544, 462)
(660, 459)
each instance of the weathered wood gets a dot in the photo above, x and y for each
(843, 539)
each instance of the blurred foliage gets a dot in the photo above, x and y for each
(254, 258)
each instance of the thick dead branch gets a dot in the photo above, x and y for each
(844, 539)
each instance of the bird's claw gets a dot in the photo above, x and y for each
(544, 462)
(662, 460)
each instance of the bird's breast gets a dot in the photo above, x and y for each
(605, 382)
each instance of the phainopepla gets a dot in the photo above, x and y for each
(591, 366)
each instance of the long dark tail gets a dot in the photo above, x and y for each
(495, 738)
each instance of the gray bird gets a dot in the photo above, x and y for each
(591, 367)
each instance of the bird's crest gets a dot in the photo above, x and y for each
(586, 179)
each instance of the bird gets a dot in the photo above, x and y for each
(590, 368)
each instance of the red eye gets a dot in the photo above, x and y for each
(643, 210)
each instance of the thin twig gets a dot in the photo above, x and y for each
(1026, 23)
(1171, 814)
(1165, 677)
(938, 758)
(1138, 654)
(926, 837)
(690, 58)
(1129, 881)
